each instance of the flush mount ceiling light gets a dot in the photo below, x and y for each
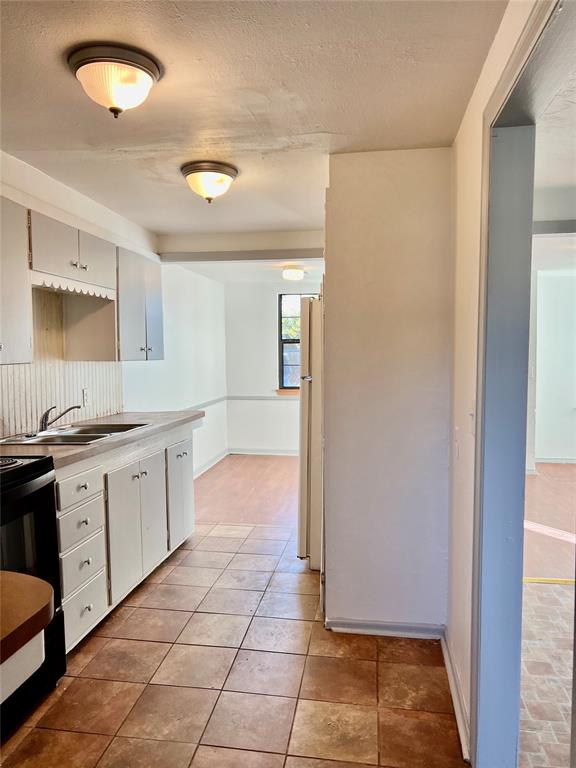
(293, 273)
(115, 77)
(209, 179)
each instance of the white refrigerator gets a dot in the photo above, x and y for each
(311, 495)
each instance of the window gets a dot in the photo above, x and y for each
(289, 339)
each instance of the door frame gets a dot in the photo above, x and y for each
(517, 112)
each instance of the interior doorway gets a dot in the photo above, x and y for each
(525, 506)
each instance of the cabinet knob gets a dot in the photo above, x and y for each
(75, 264)
(89, 607)
(179, 455)
(149, 349)
(135, 477)
(144, 473)
(142, 349)
(88, 561)
(85, 521)
(84, 267)
(83, 487)
(185, 453)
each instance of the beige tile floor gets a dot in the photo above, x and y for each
(547, 663)
(220, 660)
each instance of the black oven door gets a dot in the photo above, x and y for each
(29, 544)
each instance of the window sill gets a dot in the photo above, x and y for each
(292, 392)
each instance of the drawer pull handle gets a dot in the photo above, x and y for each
(85, 521)
(135, 477)
(144, 473)
(88, 561)
(89, 607)
(83, 487)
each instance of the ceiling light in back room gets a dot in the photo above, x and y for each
(113, 76)
(209, 178)
(293, 273)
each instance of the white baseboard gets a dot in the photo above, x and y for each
(555, 461)
(209, 464)
(265, 451)
(460, 705)
(360, 627)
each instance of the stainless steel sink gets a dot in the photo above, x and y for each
(62, 439)
(98, 429)
(72, 435)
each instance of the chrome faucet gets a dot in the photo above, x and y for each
(44, 420)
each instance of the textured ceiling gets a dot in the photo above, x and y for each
(271, 86)
(555, 156)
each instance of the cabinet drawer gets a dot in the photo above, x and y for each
(84, 609)
(77, 488)
(81, 522)
(82, 563)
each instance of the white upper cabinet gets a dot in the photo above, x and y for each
(59, 249)
(15, 288)
(97, 259)
(140, 324)
(154, 319)
(54, 247)
(131, 306)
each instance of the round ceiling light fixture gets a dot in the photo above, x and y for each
(293, 273)
(208, 178)
(113, 76)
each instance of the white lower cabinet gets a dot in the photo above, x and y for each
(124, 535)
(82, 562)
(84, 608)
(136, 516)
(180, 487)
(153, 510)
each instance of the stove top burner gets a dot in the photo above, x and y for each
(6, 462)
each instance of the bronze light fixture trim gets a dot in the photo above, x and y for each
(209, 178)
(115, 76)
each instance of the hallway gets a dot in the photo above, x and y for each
(220, 660)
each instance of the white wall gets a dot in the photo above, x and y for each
(193, 371)
(556, 366)
(388, 306)
(467, 226)
(259, 420)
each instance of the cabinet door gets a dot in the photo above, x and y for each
(180, 492)
(97, 259)
(131, 306)
(153, 510)
(54, 247)
(124, 530)
(154, 319)
(15, 286)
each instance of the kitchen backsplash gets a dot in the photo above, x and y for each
(27, 390)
